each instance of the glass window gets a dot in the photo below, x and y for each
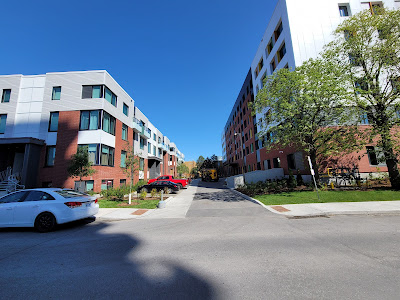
(125, 109)
(38, 196)
(123, 159)
(107, 184)
(141, 143)
(3, 120)
(277, 162)
(50, 155)
(53, 124)
(291, 161)
(56, 94)
(343, 11)
(141, 164)
(84, 120)
(154, 137)
(93, 154)
(6, 95)
(94, 120)
(110, 97)
(108, 123)
(107, 156)
(14, 197)
(154, 150)
(89, 185)
(124, 132)
(149, 147)
(122, 182)
(97, 91)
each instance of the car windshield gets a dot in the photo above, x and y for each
(70, 193)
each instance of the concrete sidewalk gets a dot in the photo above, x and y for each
(327, 209)
(176, 207)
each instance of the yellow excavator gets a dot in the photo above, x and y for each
(209, 175)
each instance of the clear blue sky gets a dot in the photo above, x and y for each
(188, 56)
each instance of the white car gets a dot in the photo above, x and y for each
(45, 208)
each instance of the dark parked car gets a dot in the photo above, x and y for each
(159, 186)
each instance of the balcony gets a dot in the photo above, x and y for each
(163, 147)
(137, 127)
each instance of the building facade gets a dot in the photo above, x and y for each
(45, 118)
(296, 32)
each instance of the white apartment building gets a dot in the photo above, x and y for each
(44, 118)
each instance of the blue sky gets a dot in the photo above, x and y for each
(186, 58)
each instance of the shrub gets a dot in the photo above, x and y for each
(299, 179)
(143, 195)
(292, 183)
(154, 193)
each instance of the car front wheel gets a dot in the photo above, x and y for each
(45, 222)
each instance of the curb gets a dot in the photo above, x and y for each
(254, 201)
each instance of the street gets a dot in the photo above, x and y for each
(226, 248)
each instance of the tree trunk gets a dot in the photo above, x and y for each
(391, 161)
(313, 157)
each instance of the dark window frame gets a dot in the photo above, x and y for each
(50, 123)
(99, 118)
(52, 93)
(4, 94)
(47, 156)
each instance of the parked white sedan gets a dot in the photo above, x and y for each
(45, 208)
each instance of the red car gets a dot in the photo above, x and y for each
(181, 182)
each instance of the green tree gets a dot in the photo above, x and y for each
(367, 45)
(199, 162)
(80, 166)
(300, 107)
(131, 166)
(182, 169)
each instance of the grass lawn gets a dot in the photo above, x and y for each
(328, 196)
(146, 204)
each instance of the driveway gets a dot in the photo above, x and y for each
(214, 199)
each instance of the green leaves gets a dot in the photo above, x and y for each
(80, 165)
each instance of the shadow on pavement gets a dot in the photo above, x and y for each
(94, 261)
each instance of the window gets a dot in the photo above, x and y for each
(107, 184)
(14, 197)
(375, 156)
(97, 91)
(56, 94)
(108, 123)
(92, 91)
(343, 10)
(159, 152)
(123, 159)
(267, 164)
(110, 96)
(281, 52)
(291, 161)
(375, 8)
(148, 147)
(125, 109)
(270, 46)
(277, 162)
(122, 182)
(272, 65)
(154, 150)
(107, 156)
(53, 122)
(278, 31)
(141, 164)
(3, 121)
(90, 120)
(364, 119)
(251, 148)
(141, 143)
(154, 137)
(93, 151)
(38, 196)
(89, 185)
(6, 96)
(124, 132)
(50, 155)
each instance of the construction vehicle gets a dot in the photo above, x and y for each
(209, 175)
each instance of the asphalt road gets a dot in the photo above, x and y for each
(226, 248)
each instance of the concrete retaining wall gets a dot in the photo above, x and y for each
(255, 176)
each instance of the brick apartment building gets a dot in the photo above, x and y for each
(45, 118)
(296, 32)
